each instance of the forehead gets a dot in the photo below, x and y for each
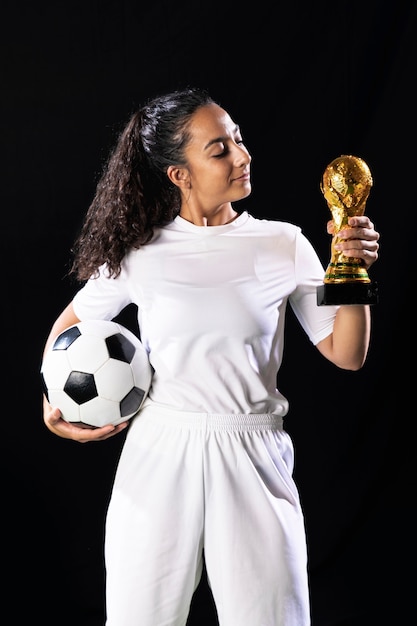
(211, 122)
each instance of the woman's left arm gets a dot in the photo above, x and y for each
(348, 344)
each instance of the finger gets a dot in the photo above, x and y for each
(363, 234)
(369, 256)
(360, 221)
(86, 435)
(357, 245)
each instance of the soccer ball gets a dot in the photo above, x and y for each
(97, 373)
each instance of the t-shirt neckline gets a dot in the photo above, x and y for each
(211, 230)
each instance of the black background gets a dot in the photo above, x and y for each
(306, 82)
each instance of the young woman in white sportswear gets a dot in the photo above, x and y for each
(206, 468)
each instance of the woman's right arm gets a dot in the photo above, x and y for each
(52, 415)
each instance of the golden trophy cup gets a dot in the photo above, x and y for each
(346, 185)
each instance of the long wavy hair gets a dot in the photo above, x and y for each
(134, 194)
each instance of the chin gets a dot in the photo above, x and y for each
(246, 192)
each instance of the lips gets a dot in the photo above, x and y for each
(245, 176)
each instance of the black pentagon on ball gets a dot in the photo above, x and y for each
(81, 387)
(120, 348)
(131, 403)
(66, 338)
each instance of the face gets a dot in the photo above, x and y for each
(218, 163)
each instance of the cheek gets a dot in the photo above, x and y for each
(210, 178)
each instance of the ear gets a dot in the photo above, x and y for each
(179, 176)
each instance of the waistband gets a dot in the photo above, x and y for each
(210, 421)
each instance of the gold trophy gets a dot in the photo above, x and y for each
(346, 185)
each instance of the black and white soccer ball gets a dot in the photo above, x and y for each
(97, 373)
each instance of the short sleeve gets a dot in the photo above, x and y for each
(101, 297)
(317, 321)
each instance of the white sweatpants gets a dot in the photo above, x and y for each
(222, 484)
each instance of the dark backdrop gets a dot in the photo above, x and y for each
(306, 82)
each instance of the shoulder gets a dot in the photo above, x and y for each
(273, 227)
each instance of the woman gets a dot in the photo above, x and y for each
(206, 467)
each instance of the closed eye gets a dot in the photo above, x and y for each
(222, 154)
(226, 149)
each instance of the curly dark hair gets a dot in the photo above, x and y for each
(134, 194)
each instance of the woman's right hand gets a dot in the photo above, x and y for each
(57, 425)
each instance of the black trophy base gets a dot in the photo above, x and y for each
(347, 293)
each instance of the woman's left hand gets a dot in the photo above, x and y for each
(360, 240)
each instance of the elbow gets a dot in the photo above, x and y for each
(354, 368)
(354, 365)
(346, 355)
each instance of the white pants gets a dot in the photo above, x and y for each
(222, 484)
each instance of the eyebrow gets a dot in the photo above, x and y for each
(222, 138)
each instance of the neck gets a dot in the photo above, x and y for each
(219, 217)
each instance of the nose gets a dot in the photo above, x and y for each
(242, 156)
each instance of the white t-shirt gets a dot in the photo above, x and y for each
(211, 310)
